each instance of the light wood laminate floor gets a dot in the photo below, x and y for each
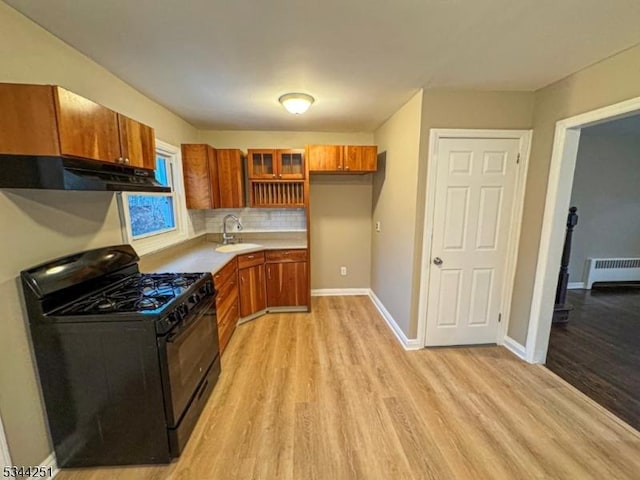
(332, 395)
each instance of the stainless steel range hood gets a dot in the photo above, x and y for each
(61, 173)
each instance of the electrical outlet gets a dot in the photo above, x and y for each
(343, 271)
(377, 226)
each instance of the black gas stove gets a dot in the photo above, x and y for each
(126, 360)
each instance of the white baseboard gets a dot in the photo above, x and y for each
(338, 292)
(576, 286)
(407, 343)
(515, 347)
(49, 463)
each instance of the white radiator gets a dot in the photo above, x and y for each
(612, 270)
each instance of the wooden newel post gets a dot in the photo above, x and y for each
(561, 309)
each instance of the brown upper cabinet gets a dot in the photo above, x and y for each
(212, 178)
(271, 164)
(137, 143)
(200, 172)
(342, 158)
(51, 121)
(231, 178)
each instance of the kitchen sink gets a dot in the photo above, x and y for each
(237, 247)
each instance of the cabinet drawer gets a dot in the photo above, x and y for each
(224, 304)
(279, 256)
(226, 290)
(230, 315)
(250, 259)
(224, 335)
(225, 273)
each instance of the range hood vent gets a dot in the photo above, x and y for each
(61, 173)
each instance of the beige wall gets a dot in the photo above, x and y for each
(41, 225)
(610, 81)
(399, 193)
(340, 205)
(341, 231)
(605, 190)
(462, 109)
(395, 188)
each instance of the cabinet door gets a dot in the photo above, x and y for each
(262, 164)
(86, 129)
(230, 178)
(28, 120)
(359, 158)
(324, 158)
(290, 164)
(137, 143)
(200, 182)
(252, 290)
(287, 284)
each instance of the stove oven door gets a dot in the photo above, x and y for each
(186, 357)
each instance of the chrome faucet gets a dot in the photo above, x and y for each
(228, 238)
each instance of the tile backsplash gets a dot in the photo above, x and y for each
(259, 219)
(198, 222)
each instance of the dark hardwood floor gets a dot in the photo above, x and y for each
(598, 352)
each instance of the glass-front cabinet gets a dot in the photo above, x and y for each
(262, 164)
(291, 163)
(276, 164)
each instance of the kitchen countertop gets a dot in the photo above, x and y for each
(199, 254)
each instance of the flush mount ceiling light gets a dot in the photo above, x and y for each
(296, 103)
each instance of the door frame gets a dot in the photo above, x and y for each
(5, 457)
(435, 135)
(559, 186)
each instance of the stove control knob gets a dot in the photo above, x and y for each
(194, 298)
(206, 289)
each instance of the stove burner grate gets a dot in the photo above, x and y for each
(140, 292)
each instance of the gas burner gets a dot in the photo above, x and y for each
(147, 303)
(105, 304)
(180, 282)
(147, 281)
(137, 293)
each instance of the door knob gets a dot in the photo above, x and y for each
(437, 261)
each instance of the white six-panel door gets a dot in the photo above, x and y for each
(474, 197)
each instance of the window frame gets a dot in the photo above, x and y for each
(152, 242)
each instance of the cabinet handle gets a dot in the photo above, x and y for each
(280, 176)
(250, 256)
(274, 175)
(286, 253)
(346, 168)
(120, 159)
(126, 160)
(269, 273)
(339, 167)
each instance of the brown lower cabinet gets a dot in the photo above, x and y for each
(227, 302)
(273, 278)
(287, 278)
(287, 284)
(252, 290)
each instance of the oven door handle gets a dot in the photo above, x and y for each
(185, 328)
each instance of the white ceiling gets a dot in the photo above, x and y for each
(222, 64)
